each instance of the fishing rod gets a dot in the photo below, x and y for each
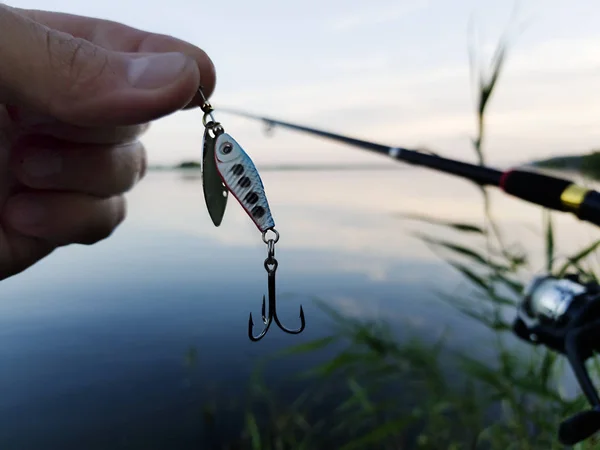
(544, 190)
(562, 314)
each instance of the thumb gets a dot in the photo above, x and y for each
(78, 82)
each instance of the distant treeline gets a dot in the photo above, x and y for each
(186, 165)
(586, 164)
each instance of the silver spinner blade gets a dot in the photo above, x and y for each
(215, 192)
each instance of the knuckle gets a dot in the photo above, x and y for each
(95, 235)
(143, 166)
(108, 135)
(132, 168)
(129, 134)
(78, 67)
(113, 215)
(121, 211)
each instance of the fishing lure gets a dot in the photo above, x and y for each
(227, 168)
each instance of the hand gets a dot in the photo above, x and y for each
(75, 95)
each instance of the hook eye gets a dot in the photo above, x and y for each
(271, 265)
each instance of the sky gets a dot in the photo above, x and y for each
(395, 72)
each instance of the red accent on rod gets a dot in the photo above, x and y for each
(504, 177)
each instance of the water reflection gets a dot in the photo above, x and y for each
(93, 339)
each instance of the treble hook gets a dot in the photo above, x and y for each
(271, 267)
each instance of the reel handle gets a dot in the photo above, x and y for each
(584, 424)
(579, 426)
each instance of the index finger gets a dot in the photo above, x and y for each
(122, 38)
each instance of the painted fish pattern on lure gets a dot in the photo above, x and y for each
(242, 179)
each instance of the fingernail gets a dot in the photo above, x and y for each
(26, 213)
(156, 71)
(43, 163)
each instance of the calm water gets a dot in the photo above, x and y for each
(93, 340)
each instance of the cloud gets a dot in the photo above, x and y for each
(374, 62)
(545, 103)
(541, 105)
(558, 57)
(374, 14)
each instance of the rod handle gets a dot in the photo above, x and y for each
(553, 193)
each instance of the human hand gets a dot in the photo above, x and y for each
(75, 95)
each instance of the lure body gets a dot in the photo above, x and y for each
(241, 178)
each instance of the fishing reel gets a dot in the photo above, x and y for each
(563, 314)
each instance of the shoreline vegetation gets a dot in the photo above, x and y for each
(382, 392)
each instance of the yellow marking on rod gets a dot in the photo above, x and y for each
(572, 197)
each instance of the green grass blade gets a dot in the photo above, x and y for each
(470, 275)
(574, 260)
(254, 432)
(463, 227)
(361, 395)
(311, 346)
(380, 433)
(456, 248)
(549, 240)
